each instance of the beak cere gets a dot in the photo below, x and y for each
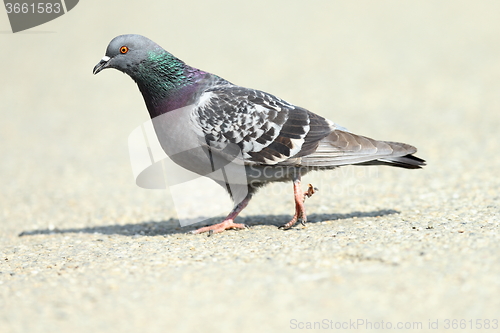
(101, 65)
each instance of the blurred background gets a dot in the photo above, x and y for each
(422, 72)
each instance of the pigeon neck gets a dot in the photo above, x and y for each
(167, 83)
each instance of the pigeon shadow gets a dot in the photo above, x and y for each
(172, 226)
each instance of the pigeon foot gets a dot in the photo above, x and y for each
(220, 227)
(228, 222)
(300, 209)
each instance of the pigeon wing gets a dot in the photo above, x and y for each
(266, 129)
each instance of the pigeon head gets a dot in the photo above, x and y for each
(165, 81)
(126, 52)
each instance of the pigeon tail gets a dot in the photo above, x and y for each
(342, 148)
(406, 161)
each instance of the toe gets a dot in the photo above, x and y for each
(220, 227)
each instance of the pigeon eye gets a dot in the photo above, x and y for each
(123, 49)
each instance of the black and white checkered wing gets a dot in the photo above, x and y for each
(267, 130)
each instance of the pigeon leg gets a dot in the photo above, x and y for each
(228, 221)
(300, 209)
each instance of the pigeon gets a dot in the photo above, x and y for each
(270, 138)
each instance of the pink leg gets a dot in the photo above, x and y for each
(228, 221)
(300, 209)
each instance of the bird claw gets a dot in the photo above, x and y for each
(290, 224)
(310, 191)
(216, 228)
(211, 232)
(300, 212)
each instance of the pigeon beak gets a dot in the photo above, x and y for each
(101, 65)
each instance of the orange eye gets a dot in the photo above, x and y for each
(123, 49)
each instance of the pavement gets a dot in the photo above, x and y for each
(82, 248)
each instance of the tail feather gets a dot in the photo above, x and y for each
(343, 148)
(407, 161)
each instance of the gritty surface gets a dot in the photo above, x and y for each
(96, 253)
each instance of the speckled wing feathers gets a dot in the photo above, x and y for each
(267, 129)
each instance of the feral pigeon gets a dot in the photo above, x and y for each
(274, 140)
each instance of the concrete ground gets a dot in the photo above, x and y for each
(83, 249)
